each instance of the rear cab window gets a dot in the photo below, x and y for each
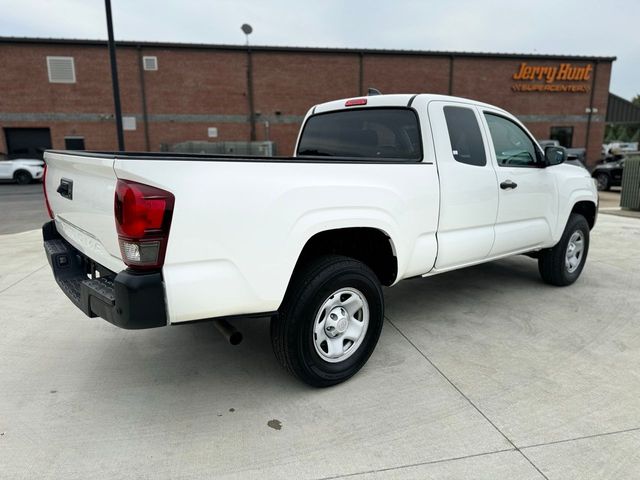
(465, 137)
(389, 133)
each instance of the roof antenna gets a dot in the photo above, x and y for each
(373, 91)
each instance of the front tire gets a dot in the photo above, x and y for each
(563, 264)
(330, 320)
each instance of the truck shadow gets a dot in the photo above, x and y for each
(196, 356)
(474, 290)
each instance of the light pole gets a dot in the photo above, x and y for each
(246, 29)
(114, 77)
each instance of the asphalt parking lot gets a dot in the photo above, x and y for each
(21, 207)
(484, 373)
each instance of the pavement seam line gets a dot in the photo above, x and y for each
(22, 279)
(419, 464)
(465, 397)
(585, 437)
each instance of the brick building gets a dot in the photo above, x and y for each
(60, 90)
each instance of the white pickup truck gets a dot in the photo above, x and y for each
(380, 189)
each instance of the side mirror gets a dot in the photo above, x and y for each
(554, 155)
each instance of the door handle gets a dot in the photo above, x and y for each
(508, 184)
(65, 188)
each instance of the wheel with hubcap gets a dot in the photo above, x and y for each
(341, 325)
(563, 264)
(23, 177)
(330, 320)
(574, 252)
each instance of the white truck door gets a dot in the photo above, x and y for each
(528, 194)
(468, 185)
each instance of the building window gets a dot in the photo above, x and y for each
(150, 63)
(564, 135)
(74, 143)
(61, 70)
(464, 133)
(129, 123)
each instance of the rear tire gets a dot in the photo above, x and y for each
(23, 177)
(330, 320)
(563, 264)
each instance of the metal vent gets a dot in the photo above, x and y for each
(61, 70)
(150, 63)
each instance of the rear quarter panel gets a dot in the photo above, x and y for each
(239, 226)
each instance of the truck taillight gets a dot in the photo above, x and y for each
(143, 219)
(44, 189)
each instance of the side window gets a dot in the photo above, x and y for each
(513, 146)
(464, 134)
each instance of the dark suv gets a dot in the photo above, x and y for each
(609, 174)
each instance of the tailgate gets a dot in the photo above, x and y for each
(80, 189)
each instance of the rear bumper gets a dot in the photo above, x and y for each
(126, 299)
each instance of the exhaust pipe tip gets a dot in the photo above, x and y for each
(235, 338)
(228, 331)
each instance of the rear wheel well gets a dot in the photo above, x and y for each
(368, 245)
(588, 210)
(21, 170)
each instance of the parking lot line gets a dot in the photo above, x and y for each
(22, 279)
(425, 356)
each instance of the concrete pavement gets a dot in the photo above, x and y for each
(483, 373)
(610, 204)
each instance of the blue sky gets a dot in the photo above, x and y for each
(561, 27)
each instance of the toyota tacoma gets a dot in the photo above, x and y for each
(380, 189)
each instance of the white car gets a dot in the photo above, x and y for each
(22, 170)
(620, 147)
(380, 189)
